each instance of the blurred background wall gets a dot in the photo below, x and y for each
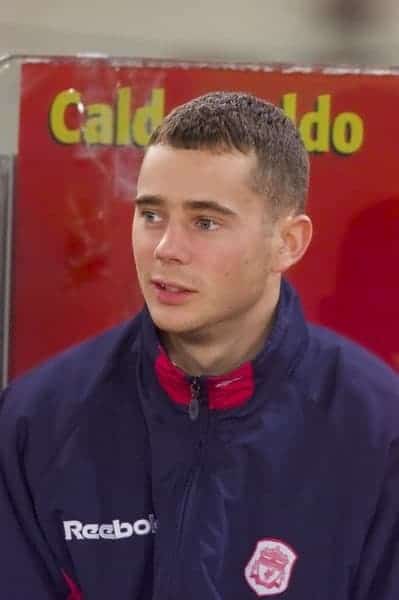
(316, 31)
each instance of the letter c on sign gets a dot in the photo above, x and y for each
(57, 117)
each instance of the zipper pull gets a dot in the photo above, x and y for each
(194, 406)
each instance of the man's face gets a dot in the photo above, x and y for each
(203, 240)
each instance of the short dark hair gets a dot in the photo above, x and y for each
(228, 121)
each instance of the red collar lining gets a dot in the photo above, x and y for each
(230, 390)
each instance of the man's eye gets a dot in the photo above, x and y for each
(207, 224)
(150, 216)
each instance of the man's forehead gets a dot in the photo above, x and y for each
(195, 173)
(198, 156)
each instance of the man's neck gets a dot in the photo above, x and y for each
(223, 348)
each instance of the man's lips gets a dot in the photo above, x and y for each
(170, 286)
(171, 293)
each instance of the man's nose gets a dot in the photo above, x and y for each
(174, 245)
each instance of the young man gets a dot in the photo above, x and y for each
(217, 447)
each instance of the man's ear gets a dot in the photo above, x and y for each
(293, 236)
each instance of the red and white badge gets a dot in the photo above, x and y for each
(270, 567)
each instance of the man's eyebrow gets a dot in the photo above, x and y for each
(148, 199)
(153, 200)
(211, 205)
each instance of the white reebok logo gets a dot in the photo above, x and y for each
(116, 530)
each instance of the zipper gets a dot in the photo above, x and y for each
(194, 406)
(194, 411)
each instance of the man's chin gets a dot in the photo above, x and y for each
(172, 321)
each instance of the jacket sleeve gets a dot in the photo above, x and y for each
(28, 566)
(377, 576)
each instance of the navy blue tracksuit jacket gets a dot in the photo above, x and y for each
(124, 479)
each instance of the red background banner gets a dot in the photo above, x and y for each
(83, 125)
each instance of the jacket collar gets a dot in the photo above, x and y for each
(281, 353)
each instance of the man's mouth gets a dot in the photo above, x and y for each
(171, 293)
(170, 286)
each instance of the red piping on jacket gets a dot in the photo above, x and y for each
(75, 593)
